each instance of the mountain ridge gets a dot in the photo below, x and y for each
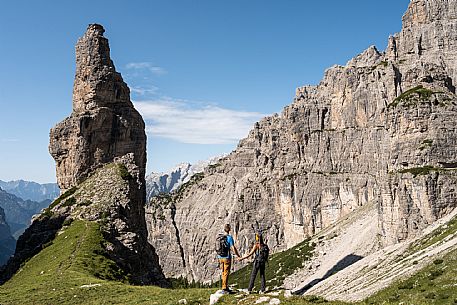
(30, 190)
(379, 130)
(166, 182)
(19, 212)
(7, 241)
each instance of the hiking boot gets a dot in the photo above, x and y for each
(228, 291)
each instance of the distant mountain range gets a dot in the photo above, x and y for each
(19, 201)
(7, 242)
(29, 190)
(19, 212)
(167, 182)
(22, 199)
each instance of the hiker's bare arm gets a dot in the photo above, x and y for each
(249, 254)
(236, 251)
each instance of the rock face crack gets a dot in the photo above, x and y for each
(178, 239)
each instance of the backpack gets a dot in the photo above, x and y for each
(222, 245)
(264, 252)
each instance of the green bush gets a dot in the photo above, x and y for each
(67, 222)
(438, 261)
(406, 285)
(85, 203)
(419, 171)
(69, 202)
(435, 274)
(65, 195)
(124, 172)
(418, 93)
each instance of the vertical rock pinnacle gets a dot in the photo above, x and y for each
(97, 84)
(104, 124)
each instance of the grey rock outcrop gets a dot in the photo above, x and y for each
(103, 124)
(7, 241)
(100, 153)
(381, 130)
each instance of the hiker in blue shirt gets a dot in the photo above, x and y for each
(225, 244)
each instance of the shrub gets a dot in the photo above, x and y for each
(67, 222)
(430, 295)
(406, 285)
(124, 172)
(418, 171)
(85, 203)
(417, 93)
(438, 261)
(65, 195)
(69, 202)
(435, 273)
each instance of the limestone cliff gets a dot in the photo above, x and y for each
(104, 124)
(100, 154)
(380, 130)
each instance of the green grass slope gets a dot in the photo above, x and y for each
(59, 273)
(73, 269)
(435, 284)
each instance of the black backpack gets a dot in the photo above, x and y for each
(222, 245)
(264, 252)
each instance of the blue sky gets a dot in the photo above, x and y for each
(200, 72)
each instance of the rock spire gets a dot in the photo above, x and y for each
(100, 154)
(103, 124)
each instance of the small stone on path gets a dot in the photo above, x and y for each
(275, 301)
(215, 297)
(262, 299)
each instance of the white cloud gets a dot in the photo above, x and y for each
(146, 66)
(10, 140)
(189, 122)
(150, 90)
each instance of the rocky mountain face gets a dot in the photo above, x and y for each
(29, 190)
(380, 130)
(100, 154)
(19, 212)
(159, 183)
(104, 124)
(7, 241)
